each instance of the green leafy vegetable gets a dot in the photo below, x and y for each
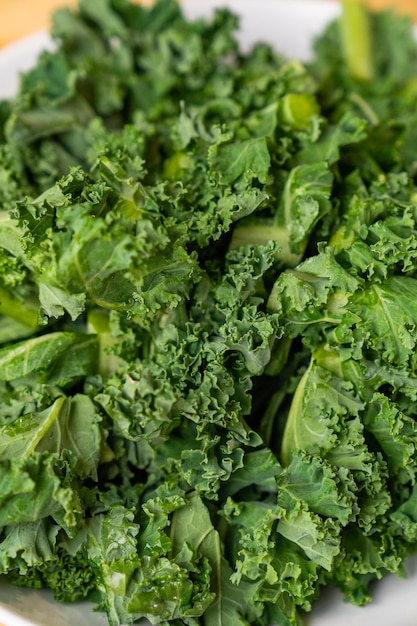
(208, 287)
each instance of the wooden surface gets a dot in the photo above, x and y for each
(21, 17)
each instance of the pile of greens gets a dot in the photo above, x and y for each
(208, 299)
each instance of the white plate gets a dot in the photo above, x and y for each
(290, 25)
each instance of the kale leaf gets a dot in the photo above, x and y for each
(208, 278)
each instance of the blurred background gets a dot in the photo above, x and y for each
(21, 17)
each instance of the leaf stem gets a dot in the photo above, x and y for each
(12, 307)
(290, 437)
(356, 40)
